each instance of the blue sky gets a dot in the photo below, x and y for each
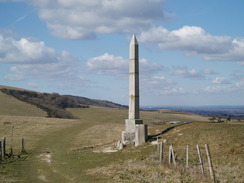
(191, 51)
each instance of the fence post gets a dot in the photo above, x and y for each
(187, 156)
(4, 146)
(211, 171)
(23, 146)
(173, 155)
(170, 153)
(200, 159)
(158, 148)
(12, 139)
(161, 152)
(1, 151)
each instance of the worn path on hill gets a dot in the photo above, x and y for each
(53, 160)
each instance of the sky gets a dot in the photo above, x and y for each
(191, 52)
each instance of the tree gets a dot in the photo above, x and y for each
(212, 119)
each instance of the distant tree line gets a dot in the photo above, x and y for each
(54, 104)
(220, 119)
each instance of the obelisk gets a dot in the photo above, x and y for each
(134, 80)
(135, 132)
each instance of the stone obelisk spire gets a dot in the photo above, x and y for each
(134, 80)
(135, 132)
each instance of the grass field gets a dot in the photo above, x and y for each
(81, 150)
(13, 107)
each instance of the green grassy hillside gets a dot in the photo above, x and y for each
(54, 104)
(83, 150)
(11, 106)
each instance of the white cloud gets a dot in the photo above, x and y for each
(209, 71)
(220, 80)
(26, 50)
(160, 85)
(184, 71)
(14, 76)
(217, 90)
(150, 68)
(240, 84)
(194, 40)
(173, 91)
(33, 60)
(65, 73)
(47, 71)
(158, 81)
(107, 64)
(83, 19)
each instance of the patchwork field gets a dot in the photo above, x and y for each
(84, 150)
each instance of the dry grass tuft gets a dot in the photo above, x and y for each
(147, 170)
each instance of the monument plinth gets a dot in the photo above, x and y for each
(135, 132)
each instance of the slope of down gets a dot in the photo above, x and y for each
(58, 155)
(14, 107)
(55, 104)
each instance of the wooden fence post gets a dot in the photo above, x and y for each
(211, 171)
(200, 159)
(158, 148)
(23, 146)
(161, 152)
(4, 146)
(2, 149)
(12, 139)
(173, 155)
(187, 156)
(170, 153)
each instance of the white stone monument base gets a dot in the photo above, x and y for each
(130, 124)
(128, 138)
(140, 134)
(136, 137)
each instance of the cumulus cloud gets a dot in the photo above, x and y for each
(220, 80)
(194, 40)
(32, 59)
(107, 64)
(64, 68)
(26, 50)
(160, 85)
(85, 18)
(63, 73)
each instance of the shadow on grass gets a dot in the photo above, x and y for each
(155, 137)
(13, 158)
